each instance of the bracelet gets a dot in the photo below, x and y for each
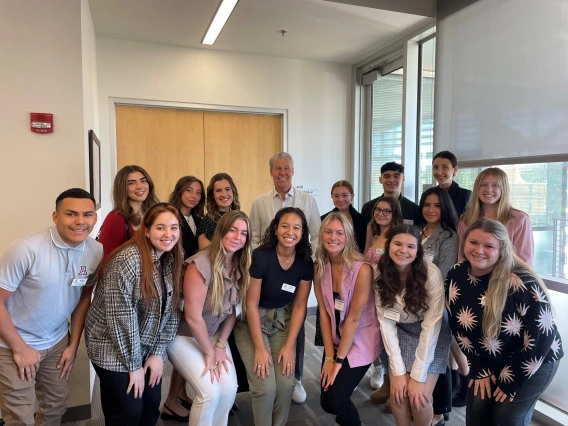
(328, 359)
(220, 345)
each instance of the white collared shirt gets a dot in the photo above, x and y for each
(46, 277)
(277, 202)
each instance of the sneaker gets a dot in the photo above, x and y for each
(377, 377)
(299, 394)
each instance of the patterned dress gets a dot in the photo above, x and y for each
(528, 336)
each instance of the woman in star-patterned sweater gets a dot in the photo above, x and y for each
(502, 319)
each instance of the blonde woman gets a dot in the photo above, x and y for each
(343, 283)
(491, 200)
(214, 288)
(501, 316)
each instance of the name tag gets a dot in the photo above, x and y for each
(408, 221)
(238, 309)
(429, 257)
(392, 315)
(339, 305)
(78, 282)
(289, 288)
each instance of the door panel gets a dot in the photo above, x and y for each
(241, 145)
(167, 142)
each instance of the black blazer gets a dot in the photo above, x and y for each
(359, 224)
(460, 197)
(189, 240)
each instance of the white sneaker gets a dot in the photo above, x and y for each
(299, 394)
(377, 377)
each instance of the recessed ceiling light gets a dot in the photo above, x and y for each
(223, 12)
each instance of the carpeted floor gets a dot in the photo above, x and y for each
(308, 414)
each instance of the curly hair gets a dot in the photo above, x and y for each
(396, 214)
(388, 283)
(270, 240)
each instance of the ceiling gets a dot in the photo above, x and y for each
(316, 30)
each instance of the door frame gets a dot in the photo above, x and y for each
(114, 101)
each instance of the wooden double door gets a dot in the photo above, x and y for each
(170, 143)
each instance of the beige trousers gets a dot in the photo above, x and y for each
(17, 400)
(271, 397)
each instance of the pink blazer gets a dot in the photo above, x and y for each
(367, 343)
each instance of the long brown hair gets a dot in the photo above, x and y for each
(217, 256)
(388, 283)
(212, 207)
(120, 194)
(396, 214)
(145, 249)
(182, 184)
(500, 279)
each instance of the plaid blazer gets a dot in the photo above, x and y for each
(121, 332)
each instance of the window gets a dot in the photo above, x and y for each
(386, 125)
(540, 190)
(426, 113)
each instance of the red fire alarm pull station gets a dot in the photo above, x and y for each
(41, 122)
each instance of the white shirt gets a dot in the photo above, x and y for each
(46, 278)
(431, 324)
(191, 223)
(279, 203)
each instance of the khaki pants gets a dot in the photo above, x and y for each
(17, 401)
(271, 397)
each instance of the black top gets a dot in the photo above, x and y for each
(189, 239)
(266, 267)
(410, 210)
(359, 225)
(460, 197)
(528, 336)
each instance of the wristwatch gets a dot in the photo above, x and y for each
(338, 360)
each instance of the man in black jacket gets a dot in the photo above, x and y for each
(392, 178)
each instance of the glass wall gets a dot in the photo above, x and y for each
(386, 125)
(426, 116)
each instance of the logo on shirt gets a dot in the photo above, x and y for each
(83, 271)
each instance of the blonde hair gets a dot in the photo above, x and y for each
(474, 209)
(217, 256)
(501, 275)
(350, 252)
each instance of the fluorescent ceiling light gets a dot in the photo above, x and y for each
(219, 21)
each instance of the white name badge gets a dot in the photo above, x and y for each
(238, 309)
(408, 221)
(392, 315)
(289, 288)
(429, 257)
(339, 305)
(78, 282)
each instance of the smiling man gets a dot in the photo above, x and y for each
(45, 278)
(264, 208)
(392, 179)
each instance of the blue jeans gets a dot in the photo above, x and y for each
(488, 412)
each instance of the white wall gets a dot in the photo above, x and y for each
(315, 94)
(40, 47)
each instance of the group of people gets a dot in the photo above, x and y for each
(439, 297)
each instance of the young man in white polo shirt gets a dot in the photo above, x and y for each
(264, 208)
(45, 278)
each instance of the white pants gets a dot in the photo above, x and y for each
(211, 401)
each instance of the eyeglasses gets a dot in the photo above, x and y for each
(384, 212)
